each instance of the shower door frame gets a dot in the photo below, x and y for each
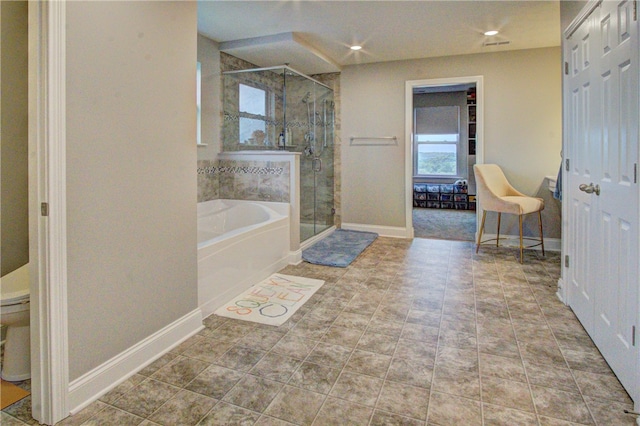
(315, 158)
(312, 80)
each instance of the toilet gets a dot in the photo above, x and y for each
(14, 314)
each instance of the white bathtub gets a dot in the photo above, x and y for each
(240, 243)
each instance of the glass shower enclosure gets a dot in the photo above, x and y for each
(278, 108)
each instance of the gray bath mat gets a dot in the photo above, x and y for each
(339, 249)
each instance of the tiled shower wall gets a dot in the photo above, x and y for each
(208, 182)
(214, 184)
(244, 180)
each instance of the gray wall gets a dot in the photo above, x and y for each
(14, 136)
(523, 127)
(131, 185)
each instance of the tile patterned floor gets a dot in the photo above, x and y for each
(420, 332)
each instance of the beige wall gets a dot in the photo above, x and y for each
(131, 184)
(522, 133)
(14, 136)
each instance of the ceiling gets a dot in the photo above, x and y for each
(314, 36)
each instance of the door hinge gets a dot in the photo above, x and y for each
(44, 209)
(633, 335)
(566, 261)
(566, 68)
(566, 164)
(635, 10)
(635, 172)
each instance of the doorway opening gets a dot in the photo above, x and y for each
(444, 128)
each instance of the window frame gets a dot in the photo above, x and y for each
(252, 116)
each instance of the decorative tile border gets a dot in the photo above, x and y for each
(241, 170)
(317, 121)
(207, 170)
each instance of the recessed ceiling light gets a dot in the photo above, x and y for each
(491, 33)
(356, 47)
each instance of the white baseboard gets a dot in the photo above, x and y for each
(383, 231)
(513, 241)
(560, 293)
(295, 257)
(92, 385)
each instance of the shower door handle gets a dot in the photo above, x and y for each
(317, 165)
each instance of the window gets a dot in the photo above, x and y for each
(436, 139)
(253, 108)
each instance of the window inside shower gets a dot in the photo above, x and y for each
(253, 109)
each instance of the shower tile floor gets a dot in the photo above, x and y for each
(421, 332)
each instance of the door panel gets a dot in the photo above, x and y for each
(618, 200)
(583, 112)
(603, 149)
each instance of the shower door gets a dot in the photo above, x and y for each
(309, 116)
(323, 169)
(278, 108)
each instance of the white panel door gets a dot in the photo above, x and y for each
(617, 213)
(583, 118)
(602, 189)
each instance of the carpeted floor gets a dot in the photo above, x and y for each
(444, 224)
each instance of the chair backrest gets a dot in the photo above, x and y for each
(490, 177)
(491, 184)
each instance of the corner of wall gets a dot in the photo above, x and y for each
(208, 181)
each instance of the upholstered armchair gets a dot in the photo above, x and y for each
(495, 194)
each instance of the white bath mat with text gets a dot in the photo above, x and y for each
(272, 301)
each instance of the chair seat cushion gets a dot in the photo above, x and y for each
(526, 204)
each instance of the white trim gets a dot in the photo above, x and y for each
(560, 293)
(564, 208)
(581, 17)
(90, 386)
(47, 235)
(513, 241)
(408, 167)
(295, 257)
(383, 231)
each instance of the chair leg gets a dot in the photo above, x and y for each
(484, 215)
(498, 236)
(541, 236)
(521, 245)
